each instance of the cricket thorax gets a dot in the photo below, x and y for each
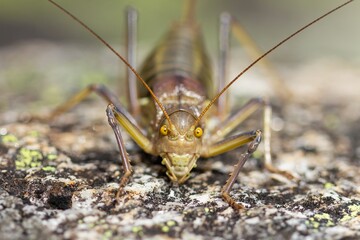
(179, 145)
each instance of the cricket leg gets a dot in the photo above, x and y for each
(225, 191)
(123, 153)
(117, 115)
(126, 120)
(224, 46)
(98, 89)
(254, 52)
(115, 119)
(228, 125)
(267, 147)
(131, 46)
(254, 139)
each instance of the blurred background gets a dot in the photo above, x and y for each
(45, 55)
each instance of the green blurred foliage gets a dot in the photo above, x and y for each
(267, 21)
(25, 73)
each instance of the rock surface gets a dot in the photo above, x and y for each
(59, 180)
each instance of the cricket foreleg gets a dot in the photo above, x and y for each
(233, 121)
(228, 125)
(229, 144)
(116, 117)
(122, 149)
(254, 139)
(225, 191)
(124, 118)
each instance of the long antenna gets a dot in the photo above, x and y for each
(262, 56)
(117, 54)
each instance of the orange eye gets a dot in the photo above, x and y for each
(164, 130)
(198, 132)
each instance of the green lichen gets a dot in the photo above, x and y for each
(51, 156)
(28, 158)
(171, 223)
(107, 235)
(9, 138)
(353, 211)
(320, 219)
(165, 229)
(49, 169)
(137, 230)
(313, 224)
(328, 185)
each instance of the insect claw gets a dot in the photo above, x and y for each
(231, 202)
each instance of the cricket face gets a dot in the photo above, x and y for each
(179, 145)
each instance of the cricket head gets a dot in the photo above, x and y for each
(179, 144)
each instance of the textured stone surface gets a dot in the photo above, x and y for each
(59, 181)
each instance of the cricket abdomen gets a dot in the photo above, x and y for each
(180, 55)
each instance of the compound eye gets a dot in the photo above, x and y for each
(198, 132)
(164, 130)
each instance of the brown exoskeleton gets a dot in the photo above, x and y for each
(178, 92)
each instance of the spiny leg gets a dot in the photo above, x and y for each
(228, 125)
(229, 24)
(233, 121)
(123, 153)
(280, 88)
(267, 148)
(116, 117)
(116, 114)
(99, 89)
(225, 191)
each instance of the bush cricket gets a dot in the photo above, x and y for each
(176, 82)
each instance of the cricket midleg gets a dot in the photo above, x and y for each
(122, 115)
(116, 114)
(228, 125)
(219, 134)
(99, 89)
